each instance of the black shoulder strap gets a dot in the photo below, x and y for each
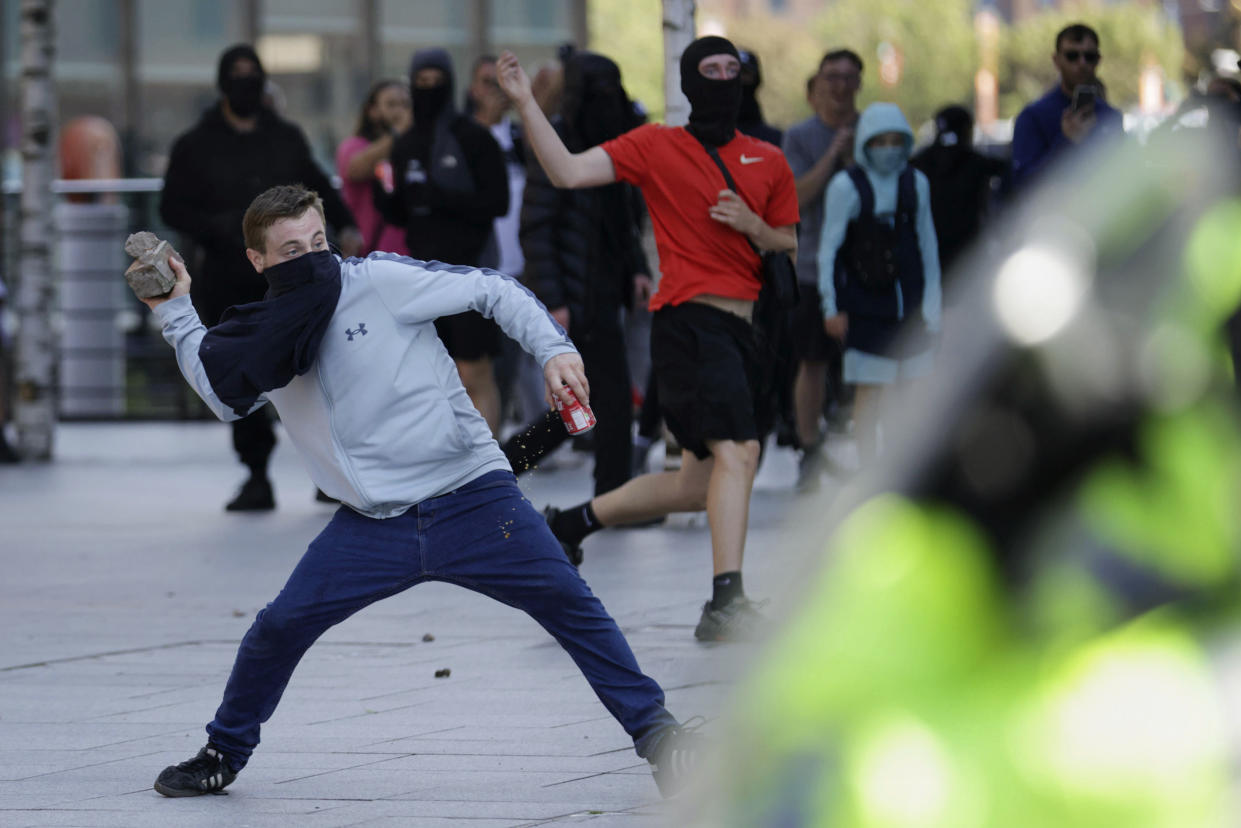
(719, 162)
(907, 194)
(728, 179)
(864, 191)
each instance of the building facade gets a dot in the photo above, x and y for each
(148, 66)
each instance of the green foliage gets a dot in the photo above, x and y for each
(1133, 36)
(630, 32)
(935, 40)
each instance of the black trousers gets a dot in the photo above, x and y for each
(607, 370)
(611, 398)
(254, 437)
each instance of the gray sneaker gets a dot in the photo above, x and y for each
(809, 469)
(738, 620)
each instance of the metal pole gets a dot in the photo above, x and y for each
(35, 407)
(678, 33)
(131, 114)
(252, 13)
(579, 24)
(370, 37)
(480, 30)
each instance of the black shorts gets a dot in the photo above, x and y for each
(706, 370)
(469, 336)
(810, 342)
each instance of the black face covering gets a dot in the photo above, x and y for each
(428, 104)
(261, 346)
(245, 94)
(714, 104)
(595, 105)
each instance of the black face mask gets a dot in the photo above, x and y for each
(605, 115)
(316, 267)
(714, 104)
(244, 94)
(428, 104)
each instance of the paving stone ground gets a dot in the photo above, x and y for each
(126, 588)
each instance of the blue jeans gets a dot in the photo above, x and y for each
(484, 536)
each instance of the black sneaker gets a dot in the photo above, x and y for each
(255, 495)
(571, 551)
(205, 773)
(738, 620)
(7, 454)
(677, 756)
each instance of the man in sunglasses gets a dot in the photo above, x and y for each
(1071, 114)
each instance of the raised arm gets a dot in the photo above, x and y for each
(565, 169)
(184, 332)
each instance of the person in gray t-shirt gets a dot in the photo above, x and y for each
(816, 149)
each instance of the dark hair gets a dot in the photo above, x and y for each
(482, 60)
(366, 127)
(842, 54)
(269, 206)
(1077, 31)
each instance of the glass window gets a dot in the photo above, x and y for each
(314, 52)
(88, 64)
(532, 29)
(176, 67)
(529, 22)
(405, 27)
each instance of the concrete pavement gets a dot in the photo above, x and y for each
(127, 588)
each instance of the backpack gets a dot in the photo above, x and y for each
(870, 251)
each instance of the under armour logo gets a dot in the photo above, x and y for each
(361, 330)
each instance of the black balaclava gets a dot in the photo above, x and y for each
(954, 127)
(751, 79)
(244, 95)
(431, 104)
(714, 104)
(595, 106)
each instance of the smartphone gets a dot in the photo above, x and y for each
(1084, 97)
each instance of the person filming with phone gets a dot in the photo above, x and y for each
(1071, 114)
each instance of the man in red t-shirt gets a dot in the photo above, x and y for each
(702, 344)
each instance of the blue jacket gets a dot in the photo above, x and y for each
(1037, 137)
(381, 419)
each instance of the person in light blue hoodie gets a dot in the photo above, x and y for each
(879, 274)
(346, 350)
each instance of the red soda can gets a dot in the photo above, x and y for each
(383, 171)
(578, 418)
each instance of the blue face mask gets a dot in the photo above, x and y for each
(886, 160)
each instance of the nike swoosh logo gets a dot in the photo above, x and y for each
(750, 159)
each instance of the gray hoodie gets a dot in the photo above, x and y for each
(382, 419)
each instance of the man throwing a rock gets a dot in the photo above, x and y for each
(347, 353)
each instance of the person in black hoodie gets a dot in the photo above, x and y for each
(750, 118)
(238, 149)
(962, 182)
(450, 184)
(584, 261)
